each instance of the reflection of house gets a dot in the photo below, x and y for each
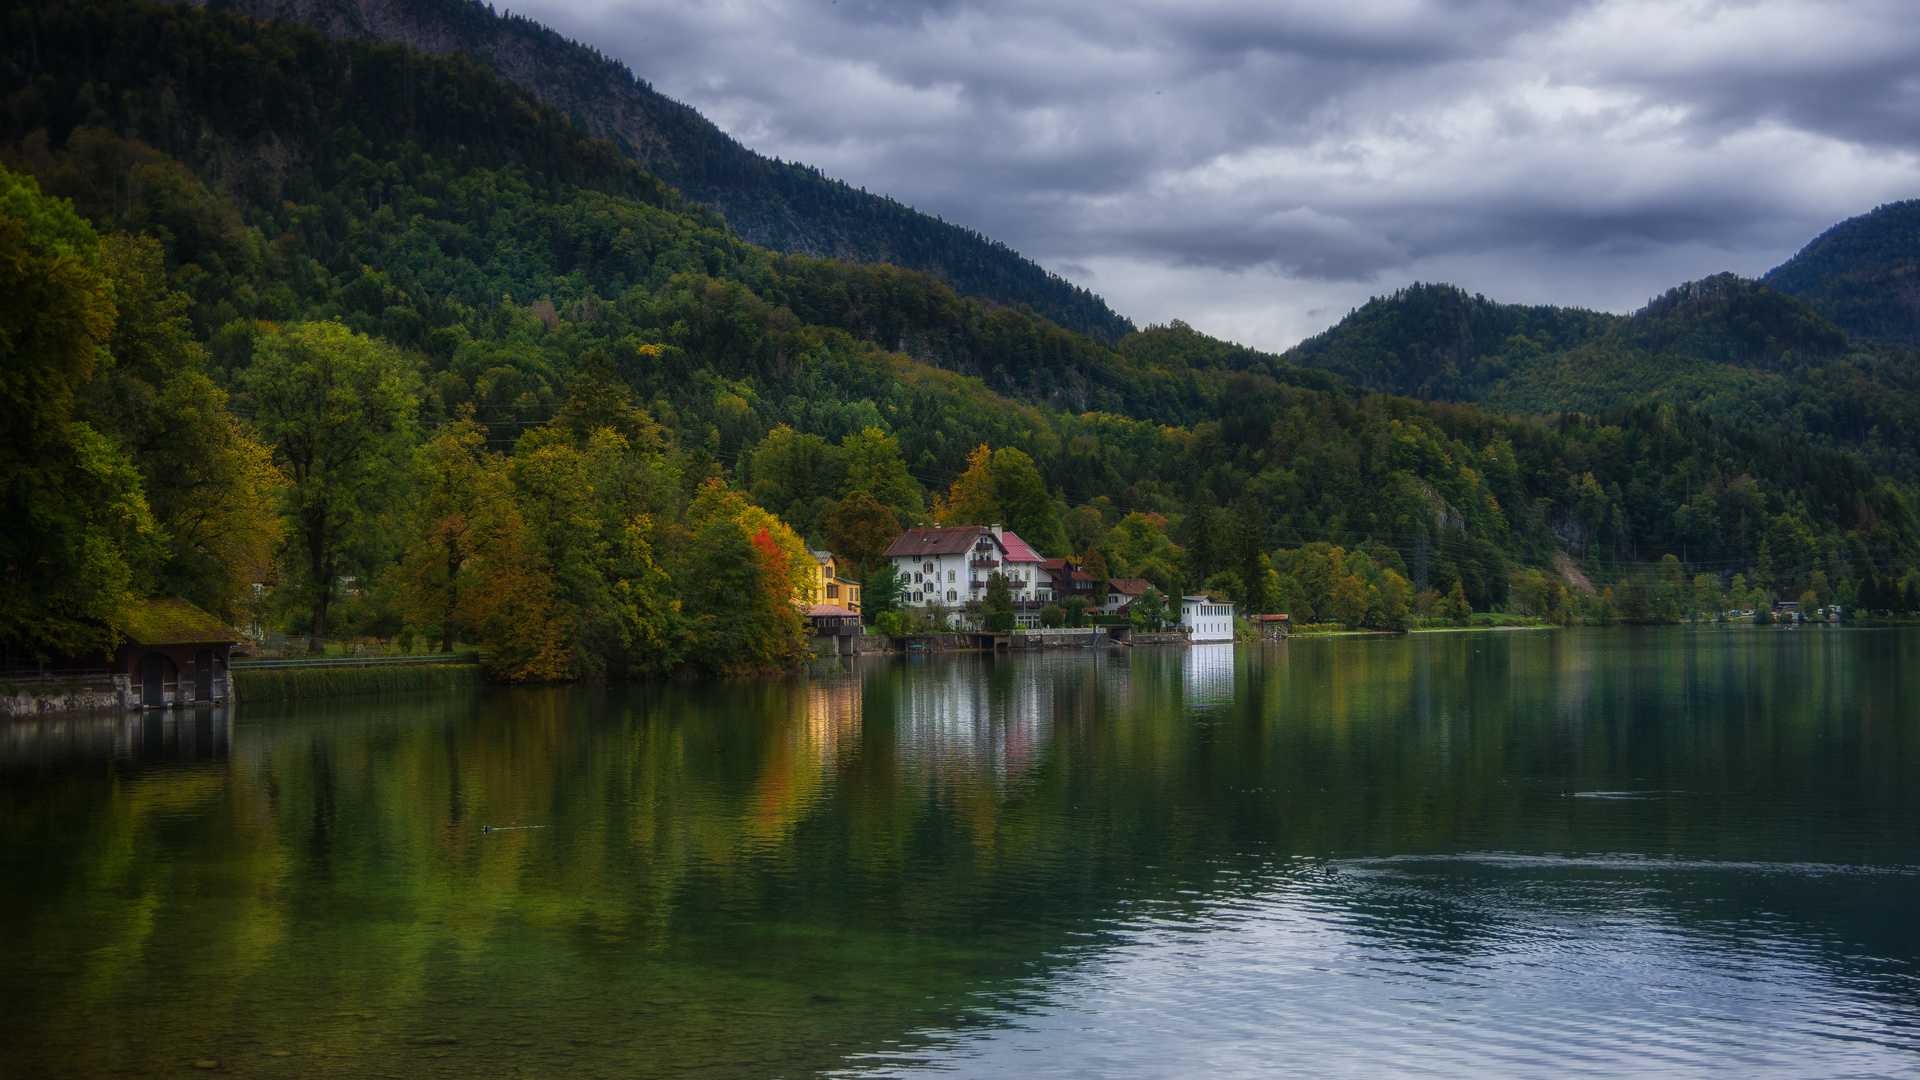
(1209, 619)
(832, 588)
(175, 654)
(948, 567)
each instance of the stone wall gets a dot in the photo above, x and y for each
(39, 695)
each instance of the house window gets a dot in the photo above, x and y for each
(833, 592)
(929, 568)
(950, 577)
(951, 595)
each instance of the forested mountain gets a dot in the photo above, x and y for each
(778, 205)
(1864, 274)
(1735, 349)
(579, 421)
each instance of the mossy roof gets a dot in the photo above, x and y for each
(173, 622)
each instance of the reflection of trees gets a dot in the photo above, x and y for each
(803, 868)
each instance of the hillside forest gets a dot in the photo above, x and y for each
(341, 339)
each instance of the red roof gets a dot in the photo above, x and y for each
(917, 542)
(830, 611)
(1131, 586)
(1053, 564)
(1018, 550)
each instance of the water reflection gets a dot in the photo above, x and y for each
(1258, 858)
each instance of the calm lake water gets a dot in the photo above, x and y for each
(1583, 853)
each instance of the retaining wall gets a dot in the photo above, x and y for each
(285, 683)
(35, 696)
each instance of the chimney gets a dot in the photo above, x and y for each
(995, 530)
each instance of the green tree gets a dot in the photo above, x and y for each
(1024, 504)
(1076, 611)
(880, 595)
(78, 533)
(1203, 535)
(338, 408)
(205, 473)
(860, 531)
(1389, 602)
(1455, 608)
(873, 464)
(1148, 610)
(1096, 567)
(999, 603)
(789, 473)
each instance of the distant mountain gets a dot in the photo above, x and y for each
(781, 206)
(1864, 274)
(1440, 343)
(1735, 348)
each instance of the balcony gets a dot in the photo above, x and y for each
(984, 564)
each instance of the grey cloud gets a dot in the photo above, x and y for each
(1612, 146)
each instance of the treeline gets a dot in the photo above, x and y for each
(616, 374)
(589, 551)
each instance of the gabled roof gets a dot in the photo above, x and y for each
(821, 557)
(1131, 586)
(1018, 550)
(174, 622)
(1053, 564)
(917, 542)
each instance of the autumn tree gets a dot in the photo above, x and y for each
(1349, 601)
(1004, 487)
(454, 489)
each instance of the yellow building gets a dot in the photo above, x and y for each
(831, 588)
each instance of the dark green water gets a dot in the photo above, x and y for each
(1584, 853)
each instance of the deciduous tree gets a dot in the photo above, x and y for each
(338, 408)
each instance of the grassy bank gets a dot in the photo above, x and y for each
(282, 684)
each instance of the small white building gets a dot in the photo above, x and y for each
(1209, 619)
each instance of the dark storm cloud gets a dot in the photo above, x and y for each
(1295, 153)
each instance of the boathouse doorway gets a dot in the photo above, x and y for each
(157, 676)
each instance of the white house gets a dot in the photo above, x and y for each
(1209, 619)
(948, 567)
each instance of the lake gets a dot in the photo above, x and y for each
(1600, 852)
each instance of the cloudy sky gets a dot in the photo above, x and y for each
(1258, 169)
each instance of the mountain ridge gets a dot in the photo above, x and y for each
(1863, 274)
(781, 206)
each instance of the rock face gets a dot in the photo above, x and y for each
(777, 205)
